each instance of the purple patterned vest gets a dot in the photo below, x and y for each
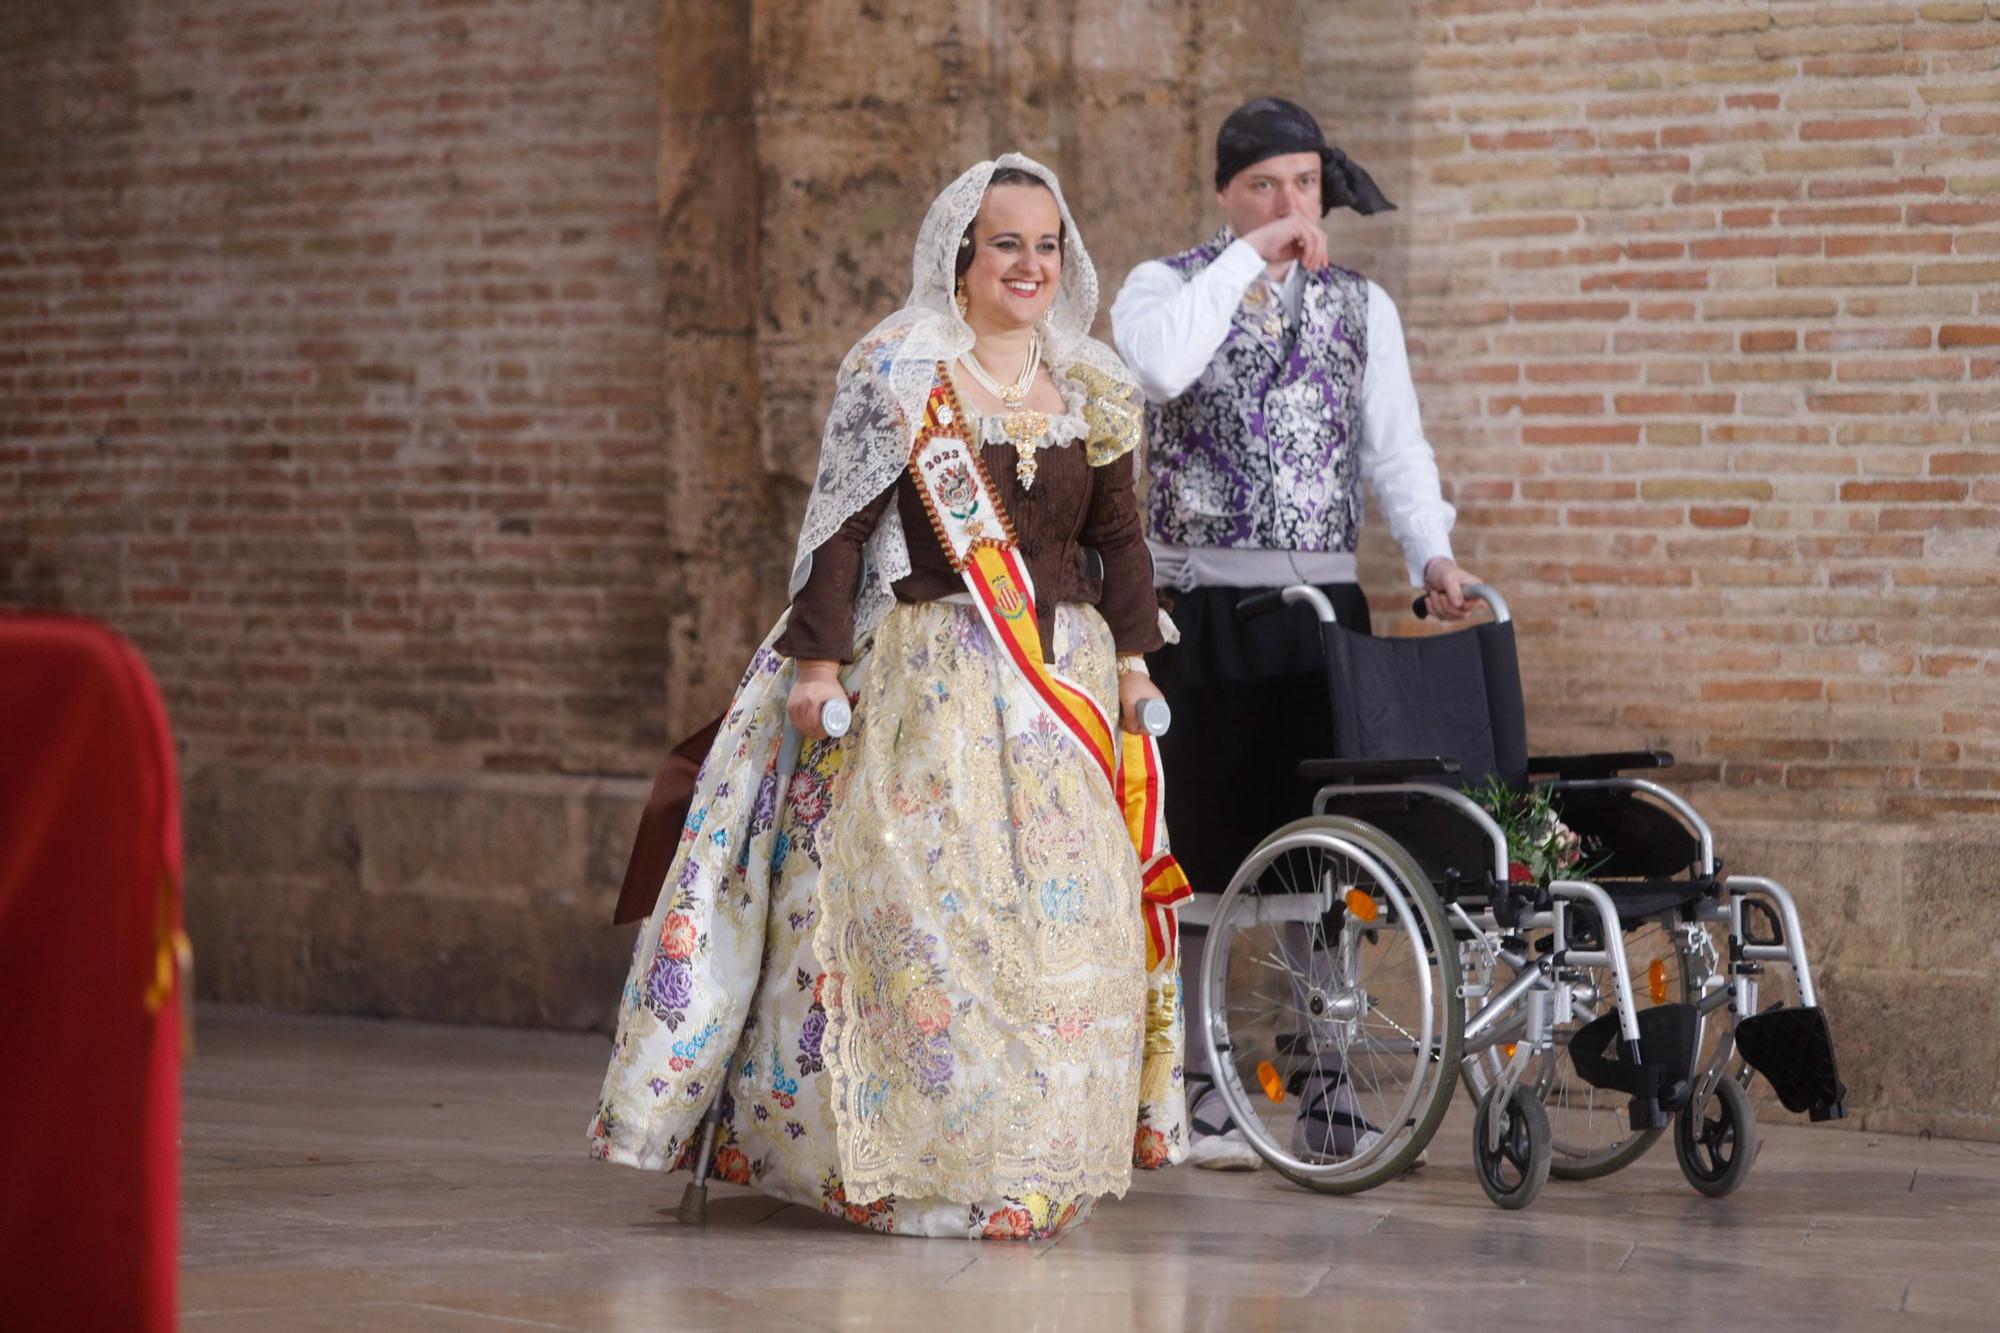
(1263, 450)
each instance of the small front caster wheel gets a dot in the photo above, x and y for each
(1716, 1147)
(1513, 1173)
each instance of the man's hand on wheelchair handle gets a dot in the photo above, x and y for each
(1444, 588)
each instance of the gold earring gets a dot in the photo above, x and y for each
(960, 299)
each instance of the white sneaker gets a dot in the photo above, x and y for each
(1214, 1141)
(1227, 1151)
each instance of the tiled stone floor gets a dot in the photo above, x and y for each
(351, 1174)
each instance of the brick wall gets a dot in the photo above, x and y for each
(329, 366)
(330, 372)
(1704, 303)
(1706, 299)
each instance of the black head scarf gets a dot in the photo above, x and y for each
(1272, 127)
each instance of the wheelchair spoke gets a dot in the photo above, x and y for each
(1273, 964)
(1400, 1029)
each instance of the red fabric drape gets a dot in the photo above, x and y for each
(90, 865)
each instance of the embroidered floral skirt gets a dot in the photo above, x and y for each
(919, 980)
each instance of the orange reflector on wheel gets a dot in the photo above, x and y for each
(1274, 1087)
(1508, 1050)
(1656, 980)
(1361, 905)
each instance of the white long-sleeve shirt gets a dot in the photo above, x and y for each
(1169, 328)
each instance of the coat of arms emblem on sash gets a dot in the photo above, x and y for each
(959, 491)
(1007, 598)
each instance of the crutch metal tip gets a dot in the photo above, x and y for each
(694, 1205)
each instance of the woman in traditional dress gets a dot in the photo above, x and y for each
(929, 982)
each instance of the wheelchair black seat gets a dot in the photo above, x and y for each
(1640, 901)
(1445, 713)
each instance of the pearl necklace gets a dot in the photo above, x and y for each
(1026, 429)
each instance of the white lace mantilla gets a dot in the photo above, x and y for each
(886, 378)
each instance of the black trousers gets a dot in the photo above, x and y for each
(1249, 701)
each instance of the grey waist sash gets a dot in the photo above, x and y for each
(1189, 567)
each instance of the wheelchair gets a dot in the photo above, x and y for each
(1365, 959)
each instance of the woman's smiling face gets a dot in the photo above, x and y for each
(1016, 257)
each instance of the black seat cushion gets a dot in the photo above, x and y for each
(1640, 900)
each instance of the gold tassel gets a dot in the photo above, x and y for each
(173, 964)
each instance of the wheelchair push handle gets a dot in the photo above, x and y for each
(1155, 717)
(1260, 603)
(1421, 607)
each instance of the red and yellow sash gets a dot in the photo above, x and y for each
(979, 539)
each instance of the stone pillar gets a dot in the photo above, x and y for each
(728, 543)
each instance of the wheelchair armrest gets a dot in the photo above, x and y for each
(1375, 770)
(1598, 765)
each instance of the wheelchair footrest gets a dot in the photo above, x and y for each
(1793, 1048)
(1656, 1076)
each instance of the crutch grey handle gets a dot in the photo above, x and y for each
(835, 717)
(1155, 717)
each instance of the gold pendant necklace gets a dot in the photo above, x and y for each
(1025, 427)
(1027, 430)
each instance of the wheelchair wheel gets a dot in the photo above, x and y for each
(1513, 1173)
(1323, 990)
(1590, 1131)
(1717, 1147)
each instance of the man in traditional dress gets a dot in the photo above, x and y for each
(1277, 384)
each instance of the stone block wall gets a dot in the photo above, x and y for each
(431, 391)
